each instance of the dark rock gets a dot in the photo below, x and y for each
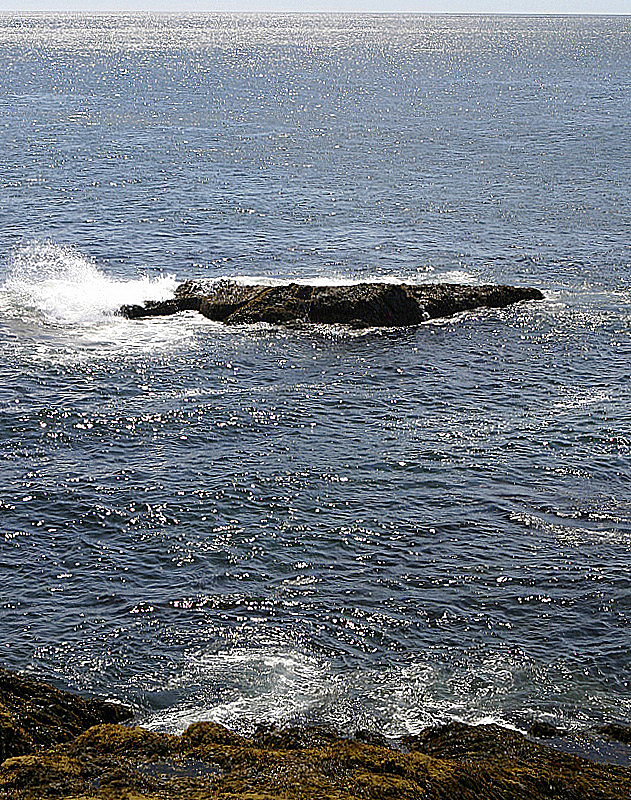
(616, 732)
(273, 738)
(161, 308)
(152, 308)
(446, 299)
(225, 299)
(370, 737)
(456, 740)
(119, 741)
(359, 305)
(34, 714)
(14, 741)
(203, 734)
(544, 730)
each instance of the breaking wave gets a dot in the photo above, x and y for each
(59, 285)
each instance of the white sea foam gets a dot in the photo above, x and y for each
(60, 285)
(246, 686)
(278, 686)
(415, 279)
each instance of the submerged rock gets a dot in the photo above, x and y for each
(615, 732)
(455, 761)
(544, 730)
(360, 305)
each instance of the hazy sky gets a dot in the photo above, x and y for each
(434, 6)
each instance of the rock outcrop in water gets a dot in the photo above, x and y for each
(361, 305)
(50, 751)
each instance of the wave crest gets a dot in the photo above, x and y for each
(61, 286)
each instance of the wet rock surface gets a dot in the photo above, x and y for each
(455, 761)
(34, 714)
(360, 305)
(615, 732)
(544, 730)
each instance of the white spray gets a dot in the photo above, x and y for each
(61, 286)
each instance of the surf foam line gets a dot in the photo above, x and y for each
(59, 285)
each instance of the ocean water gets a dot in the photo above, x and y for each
(382, 529)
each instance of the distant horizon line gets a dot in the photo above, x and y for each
(197, 12)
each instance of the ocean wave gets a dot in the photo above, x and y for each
(59, 285)
(247, 687)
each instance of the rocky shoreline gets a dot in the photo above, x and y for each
(55, 744)
(362, 305)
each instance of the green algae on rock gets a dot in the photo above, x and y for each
(360, 305)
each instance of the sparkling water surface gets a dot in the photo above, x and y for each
(380, 529)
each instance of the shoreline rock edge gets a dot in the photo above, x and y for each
(110, 760)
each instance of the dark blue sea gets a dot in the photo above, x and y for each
(378, 529)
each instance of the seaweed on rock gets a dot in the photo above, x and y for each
(456, 761)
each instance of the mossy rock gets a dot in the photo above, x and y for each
(121, 741)
(14, 741)
(451, 762)
(34, 714)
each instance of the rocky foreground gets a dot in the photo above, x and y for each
(56, 745)
(361, 305)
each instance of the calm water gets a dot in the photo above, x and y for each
(382, 529)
